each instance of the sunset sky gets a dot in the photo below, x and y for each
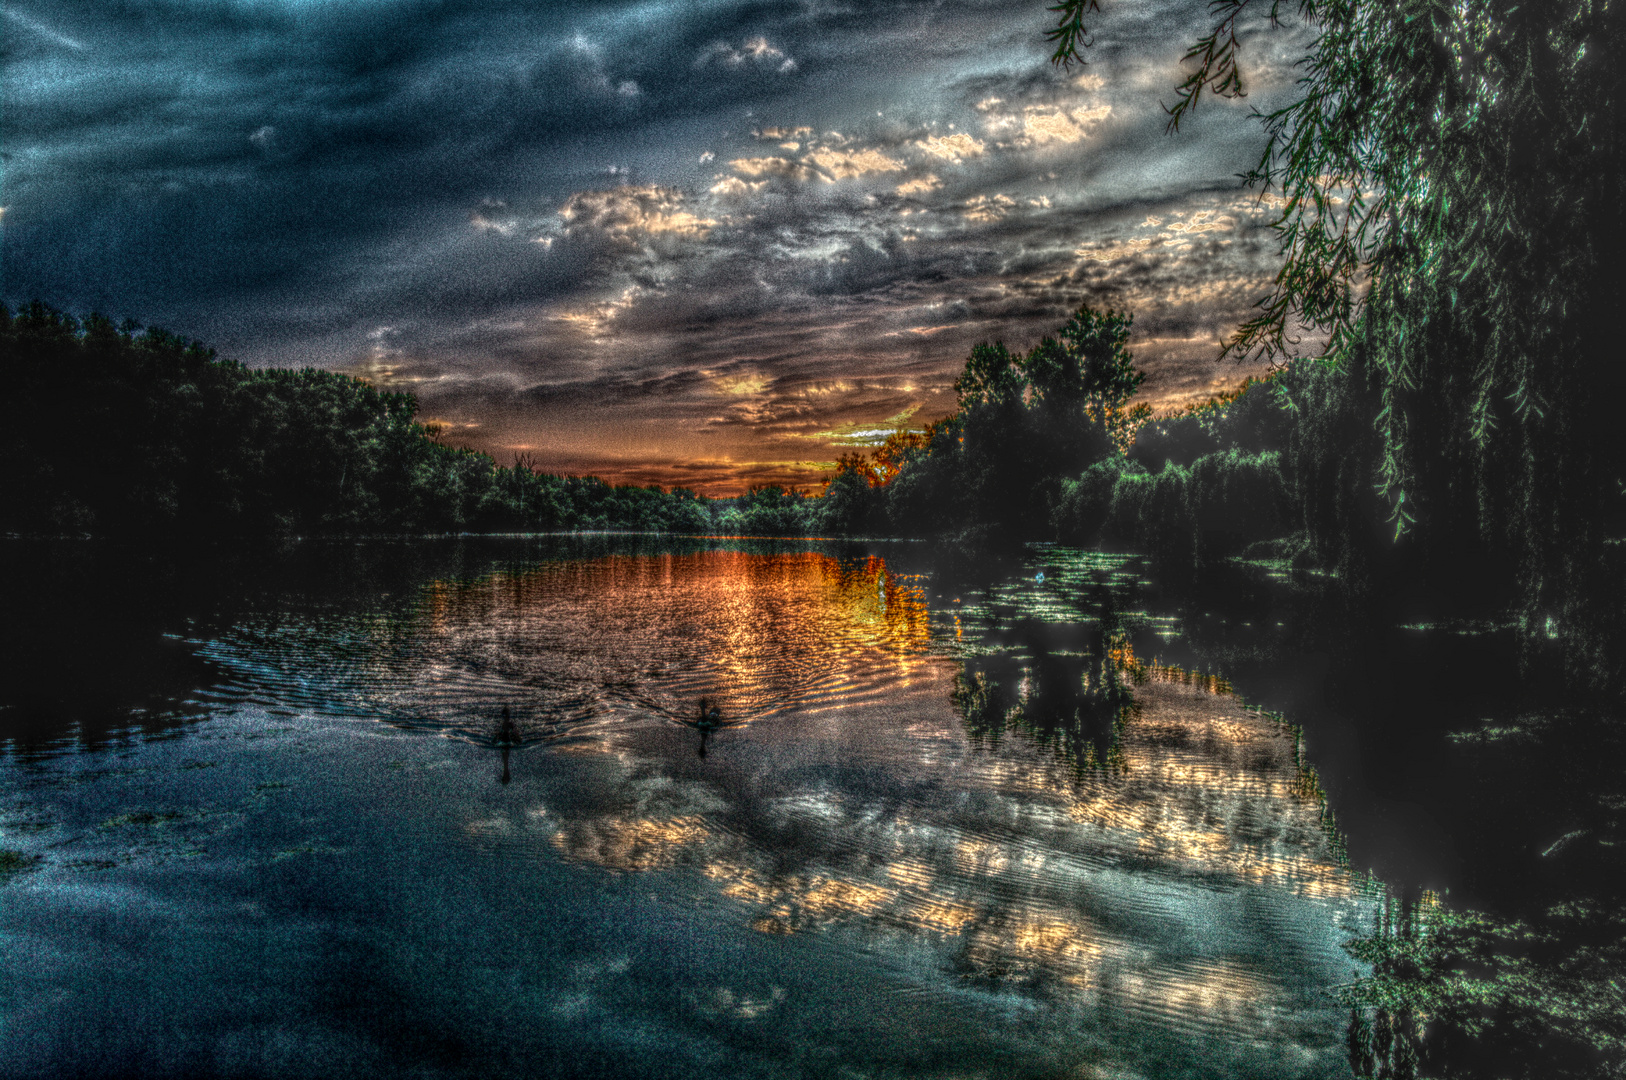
(698, 243)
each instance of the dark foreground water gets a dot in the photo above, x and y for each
(962, 819)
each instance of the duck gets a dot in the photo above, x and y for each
(507, 731)
(711, 717)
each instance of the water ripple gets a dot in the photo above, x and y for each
(567, 643)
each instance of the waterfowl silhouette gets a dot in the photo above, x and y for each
(507, 739)
(507, 731)
(710, 718)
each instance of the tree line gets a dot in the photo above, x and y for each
(119, 430)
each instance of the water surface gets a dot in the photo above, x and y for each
(958, 821)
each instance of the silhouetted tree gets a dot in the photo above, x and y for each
(125, 431)
(1452, 214)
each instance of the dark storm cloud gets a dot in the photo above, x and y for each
(707, 234)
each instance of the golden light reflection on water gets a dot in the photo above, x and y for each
(1204, 780)
(1037, 944)
(631, 843)
(1204, 786)
(874, 806)
(755, 633)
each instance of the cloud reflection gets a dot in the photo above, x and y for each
(1089, 829)
(1033, 861)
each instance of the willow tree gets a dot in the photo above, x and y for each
(1450, 177)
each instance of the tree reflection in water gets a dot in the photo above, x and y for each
(1075, 701)
(1142, 869)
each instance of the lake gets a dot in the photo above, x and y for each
(956, 816)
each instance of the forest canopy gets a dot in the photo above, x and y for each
(1451, 191)
(128, 432)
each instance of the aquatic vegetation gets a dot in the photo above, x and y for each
(312, 847)
(142, 817)
(16, 862)
(1457, 993)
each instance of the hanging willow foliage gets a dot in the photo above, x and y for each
(1451, 198)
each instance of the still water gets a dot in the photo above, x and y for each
(952, 821)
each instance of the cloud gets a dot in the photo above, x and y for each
(1200, 221)
(952, 148)
(822, 162)
(842, 164)
(626, 210)
(777, 134)
(754, 52)
(36, 27)
(920, 185)
(1050, 124)
(493, 217)
(785, 168)
(530, 199)
(732, 187)
(1044, 125)
(594, 75)
(987, 208)
(746, 384)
